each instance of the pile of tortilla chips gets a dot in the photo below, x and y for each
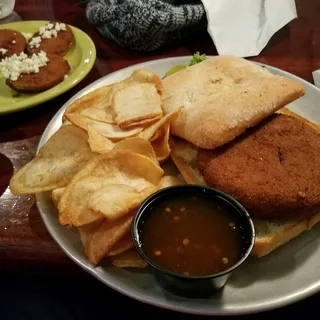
(101, 164)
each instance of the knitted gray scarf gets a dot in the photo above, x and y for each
(145, 25)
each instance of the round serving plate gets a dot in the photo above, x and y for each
(287, 275)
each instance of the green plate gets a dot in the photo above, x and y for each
(81, 58)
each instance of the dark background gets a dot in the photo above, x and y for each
(32, 295)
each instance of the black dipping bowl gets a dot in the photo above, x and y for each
(186, 285)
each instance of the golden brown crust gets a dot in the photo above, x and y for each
(48, 76)
(288, 112)
(13, 41)
(273, 169)
(59, 45)
(222, 97)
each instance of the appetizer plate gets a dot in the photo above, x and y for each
(285, 276)
(81, 58)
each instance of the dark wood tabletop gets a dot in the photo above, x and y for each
(25, 244)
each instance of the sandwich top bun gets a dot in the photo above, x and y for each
(222, 97)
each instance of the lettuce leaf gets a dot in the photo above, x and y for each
(197, 58)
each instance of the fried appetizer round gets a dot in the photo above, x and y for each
(273, 169)
(47, 77)
(11, 42)
(58, 45)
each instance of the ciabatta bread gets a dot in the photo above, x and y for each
(222, 97)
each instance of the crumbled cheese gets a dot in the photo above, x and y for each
(65, 76)
(13, 41)
(49, 26)
(48, 31)
(34, 41)
(3, 51)
(27, 35)
(42, 30)
(12, 67)
(51, 30)
(62, 26)
(46, 34)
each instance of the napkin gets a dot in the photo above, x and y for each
(243, 27)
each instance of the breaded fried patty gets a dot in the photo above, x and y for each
(273, 169)
(12, 42)
(48, 76)
(58, 45)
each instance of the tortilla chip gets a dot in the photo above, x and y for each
(157, 135)
(169, 181)
(107, 130)
(161, 146)
(98, 143)
(116, 200)
(66, 122)
(114, 132)
(96, 105)
(145, 76)
(128, 259)
(101, 241)
(85, 232)
(76, 211)
(55, 164)
(138, 145)
(114, 167)
(142, 123)
(123, 245)
(135, 103)
(98, 114)
(56, 195)
(97, 100)
(149, 132)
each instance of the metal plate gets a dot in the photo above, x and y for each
(287, 275)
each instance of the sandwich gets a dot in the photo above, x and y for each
(235, 134)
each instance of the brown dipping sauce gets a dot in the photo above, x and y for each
(192, 235)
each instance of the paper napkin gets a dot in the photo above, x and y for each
(243, 27)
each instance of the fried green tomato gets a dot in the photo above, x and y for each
(48, 76)
(59, 45)
(11, 42)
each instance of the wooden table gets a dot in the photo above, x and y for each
(25, 244)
